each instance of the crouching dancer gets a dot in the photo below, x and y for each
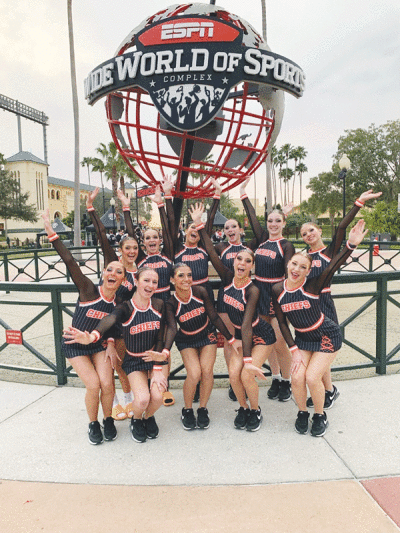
(143, 322)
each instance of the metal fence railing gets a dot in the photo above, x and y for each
(32, 316)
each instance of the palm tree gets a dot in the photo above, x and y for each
(99, 166)
(86, 162)
(77, 210)
(301, 168)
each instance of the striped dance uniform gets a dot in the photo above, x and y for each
(86, 317)
(269, 269)
(314, 331)
(125, 291)
(163, 266)
(235, 304)
(320, 261)
(227, 257)
(197, 259)
(195, 328)
(140, 332)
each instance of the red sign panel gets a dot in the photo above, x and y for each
(146, 191)
(189, 30)
(13, 336)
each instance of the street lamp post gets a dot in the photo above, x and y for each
(344, 165)
(112, 203)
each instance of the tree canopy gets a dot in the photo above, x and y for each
(13, 203)
(384, 218)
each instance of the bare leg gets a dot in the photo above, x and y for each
(259, 354)
(83, 366)
(207, 359)
(284, 356)
(299, 386)
(190, 357)
(105, 372)
(318, 365)
(156, 396)
(141, 393)
(235, 370)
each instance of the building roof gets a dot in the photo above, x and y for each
(25, 156)
(58, 226)
(219, 219)
(109, 220)
(70, 184)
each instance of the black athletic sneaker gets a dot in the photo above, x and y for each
(138, 430)
(188, 419)
(151, 427)
(95, 434)
(241, 418)
(285, 391)
(330, 398)
(319, 425)
(273, 391)
(301, 424)
(197, 394)
(254, 420)
(203, 420)
(231, 394)
(110, 431)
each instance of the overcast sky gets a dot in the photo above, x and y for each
(349, 52)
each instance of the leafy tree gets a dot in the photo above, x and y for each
(384, 218)
(294, 222)
(13, 203)
(326, 196)
(375, 160)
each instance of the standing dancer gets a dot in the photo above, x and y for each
(317, 337)
(241, 296)
(191, 307)
(143, 321)
(129, 249)
(321, 256)
(227, 252)
(93, 365)
(272, 256)
(161, 262)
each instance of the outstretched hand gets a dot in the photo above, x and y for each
(167, 185)
(286, 209)
(126, 202)
(369, 195)
(91, 197)
(157, 197)
(358, 233)
(47, 225)
(242, 188)
(73, 336)
(218, 188)
(196, 211)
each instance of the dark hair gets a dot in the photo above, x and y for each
(277, 211)
(178, 265)
(120, 264)
(125, 238)
(238, 222)
(250, 252)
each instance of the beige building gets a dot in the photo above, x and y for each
(259, 205)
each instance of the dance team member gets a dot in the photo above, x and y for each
(143, 324)
(129, 250)
(317, 338)
(271, 258)
(196, 340)
(241, 299)
(321, 256)
(190, 252)
(227, 252)
(161, 262)
(92, 364)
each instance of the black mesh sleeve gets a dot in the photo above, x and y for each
(108, 250)
(224, 273)
(252, 297)
(211, 215)
(261, 234)
(340, 234)
(171, 327)
(283, 324)
(200, 292)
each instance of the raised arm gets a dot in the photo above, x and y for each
(252, 296)
(214, 207)
(168, 248)
(340, 234)
(260, 234)
(126, 203)
(356, 235)
(87, 289)
(171, 327)
(212, 314)
(108, 250)
(224, 273)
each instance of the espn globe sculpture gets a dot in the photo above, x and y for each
(194, 91)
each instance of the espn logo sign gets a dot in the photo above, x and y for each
(190, 30)
(185, 30)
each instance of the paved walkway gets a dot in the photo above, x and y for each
(218, 480)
